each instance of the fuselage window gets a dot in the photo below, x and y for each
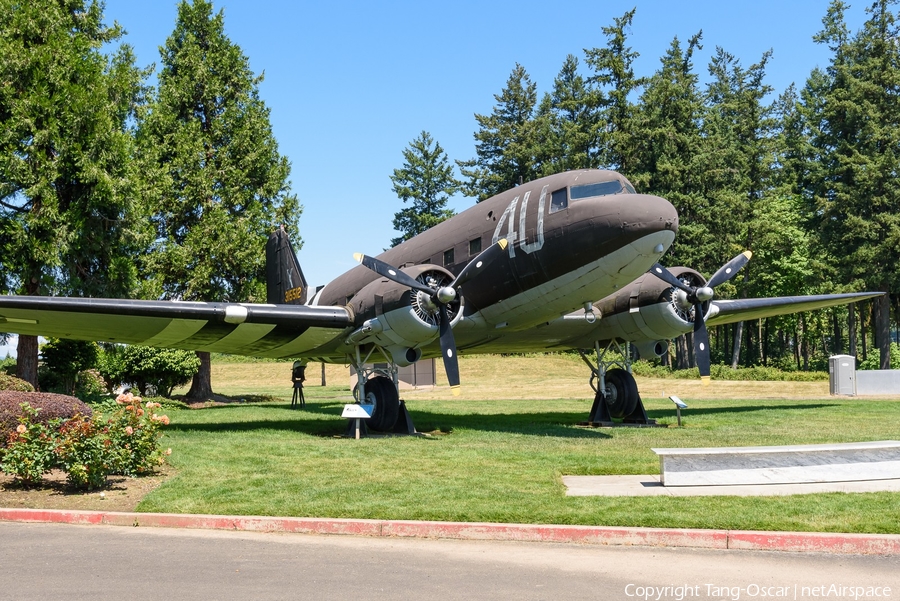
(598, 189)
(448, 258)
(559, 201)
(474, 247)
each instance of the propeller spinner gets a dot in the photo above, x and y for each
(697, 295)
(440, 297)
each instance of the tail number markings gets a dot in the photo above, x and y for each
(293, 294)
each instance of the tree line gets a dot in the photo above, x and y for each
(807, 179)
(112, 188)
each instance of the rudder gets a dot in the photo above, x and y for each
(285, 284)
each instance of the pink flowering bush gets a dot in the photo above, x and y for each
(29, 452)
(84, 450)
(135, 430)
(87, 448)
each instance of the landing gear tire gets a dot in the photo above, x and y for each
(382, 393)
(621, 393)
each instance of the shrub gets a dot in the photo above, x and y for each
(8, 365)
(724, 372)
(135, 431)
(29, 452)
(873, 361)
(147, 367)
(109, 364)
(87, 448)
(13, 383)
(90, 386)
(66, 358)
(84, 450)
(49, 406)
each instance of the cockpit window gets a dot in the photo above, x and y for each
(630, 188)
(598, 189)
(558, 201)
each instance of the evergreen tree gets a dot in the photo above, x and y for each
(427, 180)
(857, 127)
(665, 159)
(738, 128)
(216, 184)
(612, 87)
(572, 121)
(66, 175)
(505, 142)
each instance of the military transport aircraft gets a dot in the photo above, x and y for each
(568, 261)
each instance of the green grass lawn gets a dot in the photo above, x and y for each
(501, 460)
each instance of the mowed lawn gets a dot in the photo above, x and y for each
(497, 452)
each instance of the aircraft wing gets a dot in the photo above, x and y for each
(731, 311)
(234, 328)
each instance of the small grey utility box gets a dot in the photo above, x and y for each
(842, 375)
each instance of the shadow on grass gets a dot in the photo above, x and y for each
(658, 413)
(555, 424)
(551, 423)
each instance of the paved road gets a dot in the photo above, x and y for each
(50, 561)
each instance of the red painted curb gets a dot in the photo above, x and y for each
(819, 542)
(600, 535)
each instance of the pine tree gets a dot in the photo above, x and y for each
(858, 138)
(66, 174)
(738, 132)
(572, 120)
(505, 142)
(216, 184)
(665, 159)
(664, 156)
(611, 88)
(426, 179)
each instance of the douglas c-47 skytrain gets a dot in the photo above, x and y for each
(569, 261)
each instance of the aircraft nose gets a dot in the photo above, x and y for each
(646, 214)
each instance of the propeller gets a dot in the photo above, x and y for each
(697, 295)
(440, 297)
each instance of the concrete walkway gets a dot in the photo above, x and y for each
(646, 486)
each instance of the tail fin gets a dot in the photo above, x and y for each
(285, 284)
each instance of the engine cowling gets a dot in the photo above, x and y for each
(401, 320)
(650, 311)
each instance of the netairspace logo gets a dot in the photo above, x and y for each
(756, 591)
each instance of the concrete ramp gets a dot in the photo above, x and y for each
(791, 464)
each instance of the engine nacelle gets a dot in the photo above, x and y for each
(650, 312)
(652, 348)
(401, 320)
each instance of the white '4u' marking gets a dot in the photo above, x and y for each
(513, 236)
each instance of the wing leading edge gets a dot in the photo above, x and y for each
(235, 328)
(731, 311)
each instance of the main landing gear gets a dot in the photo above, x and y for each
(378, 385)
(616, 392)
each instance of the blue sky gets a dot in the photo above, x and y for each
(350, 84)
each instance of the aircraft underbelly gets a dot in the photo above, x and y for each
(567, 293)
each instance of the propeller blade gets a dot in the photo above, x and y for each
(448, 351)
(385, 270)
(701, 344)
(669, 278)
(477, 265)
(729, 269)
